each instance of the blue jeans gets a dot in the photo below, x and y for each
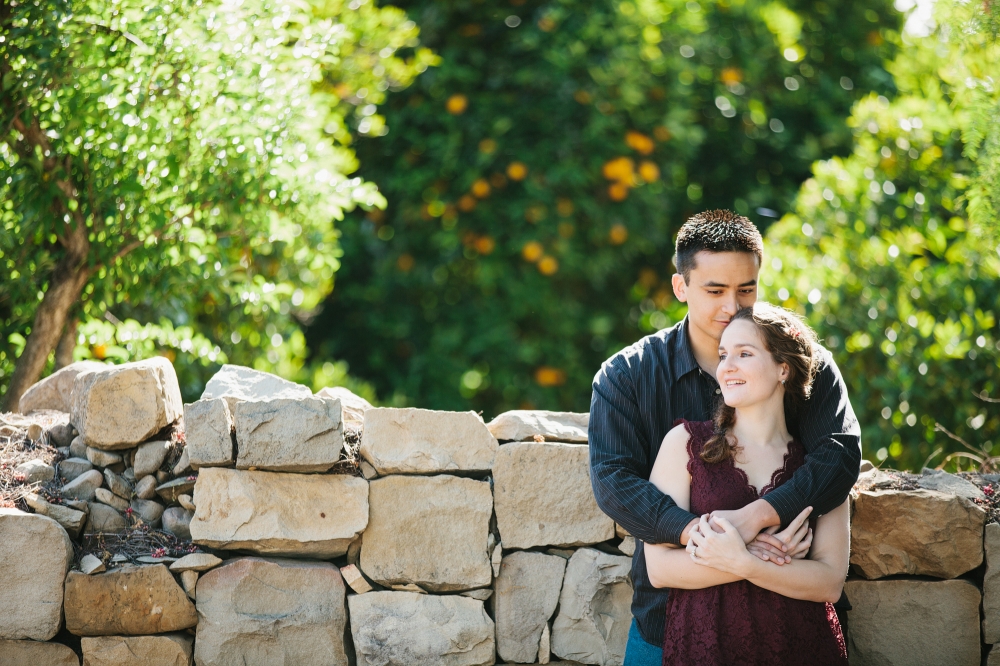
(640, 653)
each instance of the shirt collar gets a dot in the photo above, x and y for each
(682, 356)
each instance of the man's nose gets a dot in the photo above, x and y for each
(731, 305)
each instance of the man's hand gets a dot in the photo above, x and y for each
(795, 540)
(751, 519)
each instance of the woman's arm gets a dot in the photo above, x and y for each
(820, 578)
(666, 565)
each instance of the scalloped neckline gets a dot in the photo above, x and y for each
(774, 475)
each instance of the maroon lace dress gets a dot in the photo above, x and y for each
(740, 623)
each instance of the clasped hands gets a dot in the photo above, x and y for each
(718, 542)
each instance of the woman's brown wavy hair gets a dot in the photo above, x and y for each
(789, 340)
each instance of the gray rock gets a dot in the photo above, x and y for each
(445, 520)
(90, 564)
(424, 441)
(149, 457)
(177, 521)
(83, 486)
(171, 490)
(408, 629)
(62, 434)
(183, 465)
(35, 554)
(236, 383)
(35, 653)
(71, 520)
(913, 622)
(271, 612)
(78, 447)
(594, 609)
(991, 585)
(543, 496)
(943, 482)
(120, 406)
(148, 510)
(71, 468)
(99, 458)
(196, 562)
(103, 518)
(352, 405)
(165, 650)
(56, 390)
(274, 513)
(145, 488)
(208, 426)
(288, 435)
(105, 496)
(36, 471)
(527, 592)
(524, 425)
(117, 484)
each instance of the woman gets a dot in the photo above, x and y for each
(728, 606)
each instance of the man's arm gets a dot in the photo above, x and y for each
(620, 464)
(830, 433)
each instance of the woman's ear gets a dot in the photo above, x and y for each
(784, 373)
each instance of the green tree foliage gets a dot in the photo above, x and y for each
(881, 254)
(536, 177)
(181, 164)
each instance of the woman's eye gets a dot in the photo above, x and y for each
(722, 357)
(746, 354)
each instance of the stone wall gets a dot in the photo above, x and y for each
(283, 527)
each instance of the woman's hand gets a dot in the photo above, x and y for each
(723, 550)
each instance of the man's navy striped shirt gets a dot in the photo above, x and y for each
(638, 395)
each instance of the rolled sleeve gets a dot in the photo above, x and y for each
(621, 459)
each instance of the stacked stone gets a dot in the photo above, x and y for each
(913, 553)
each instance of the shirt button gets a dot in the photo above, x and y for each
(718, 391)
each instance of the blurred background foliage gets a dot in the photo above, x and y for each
(529, 185)
(180, 164)
(535, 180)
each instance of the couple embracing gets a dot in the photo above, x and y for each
(726, 445)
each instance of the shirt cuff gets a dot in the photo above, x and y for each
(672, 525)
(786, 502)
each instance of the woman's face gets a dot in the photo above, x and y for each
(747, 372)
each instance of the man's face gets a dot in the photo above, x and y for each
(720, 284)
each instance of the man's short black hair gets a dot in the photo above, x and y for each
(715, 231)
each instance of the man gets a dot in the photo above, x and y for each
(642, 390)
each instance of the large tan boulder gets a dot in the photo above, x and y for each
(913, 622)
(543, 496)
(236, 383)
(271, 612)
(208, 430)
(915, 532)
(34, 653)
(424, 441)
(522, 425)
(119, 406)
(165, 650)
(428, 530)
(56, 390)
(410, 629)
(288, 435)
(527, 592)
(35, 554)
(131, 601)
(991, 585)
(594, 609)
(273, 513)
(353, 405)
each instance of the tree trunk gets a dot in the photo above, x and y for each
(67, 344)
(65, 286)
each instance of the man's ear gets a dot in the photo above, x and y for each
(680, 287)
